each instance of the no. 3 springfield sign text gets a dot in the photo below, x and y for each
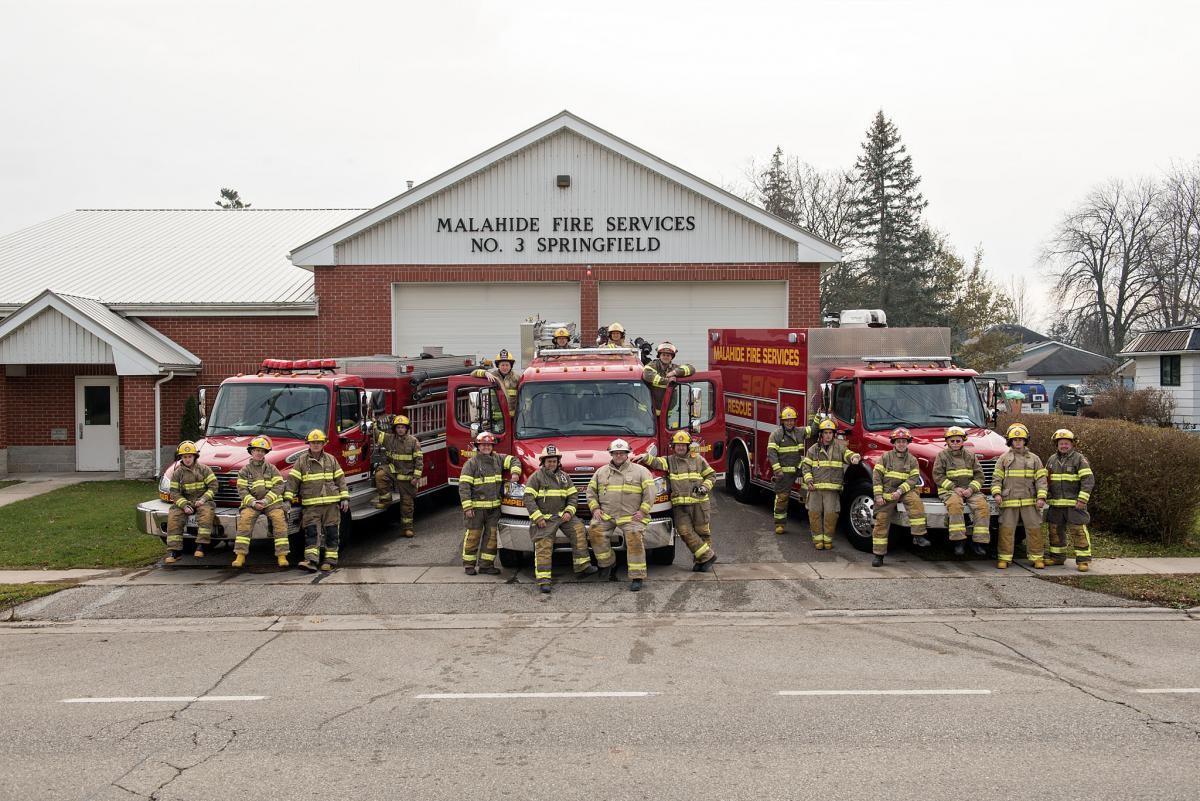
(611, 234)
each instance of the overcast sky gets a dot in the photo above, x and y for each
(1011, 110)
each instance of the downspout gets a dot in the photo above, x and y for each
(158, 423)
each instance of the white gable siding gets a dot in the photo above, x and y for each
(1148, 375)
(51, 338)
(603, 184)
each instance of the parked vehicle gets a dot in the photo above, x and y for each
(580, 399)
(1036, 401)
(869, 380)
(1070, 399)
(286, 399)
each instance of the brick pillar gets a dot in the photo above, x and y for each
(804, 296)
(3, 421)
(589, 307)
(137, 425)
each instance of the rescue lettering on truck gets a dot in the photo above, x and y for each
(868, 381)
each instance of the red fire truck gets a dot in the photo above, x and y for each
(581, 399)
(870, 380)
(286, 399)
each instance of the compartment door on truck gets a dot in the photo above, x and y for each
(459, 419)
(682, 313)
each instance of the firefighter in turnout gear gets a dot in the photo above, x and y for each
(690, 477)
(261, 487)
(660, 373)
(503, 376)
(959, 477)
(824, 469)
(480, 489)
(620, 496)
(897, 477)
(402, 471)
(785, 450)
(318, 485)
(616, 337)
(193, 486)
(562, 338)
(550, 499)
(1019, 487)
(1071, 482)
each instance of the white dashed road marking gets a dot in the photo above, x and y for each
(885, 692)
(1171, 690)
(471, 696)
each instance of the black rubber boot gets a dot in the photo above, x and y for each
(921, 542)
(590, 570)
(877, 561)
(704, 567)
(635, 585)
(960, 549)
(978, 549)
(544, 588)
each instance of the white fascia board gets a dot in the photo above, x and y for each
(216, 309)
(1136, 353)
(320, 252)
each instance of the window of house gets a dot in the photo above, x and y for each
(1169, 370)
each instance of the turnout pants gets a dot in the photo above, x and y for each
(177, 521)
(245, 527)
(484, 519)
(823, 506)
(1069, 523)
(691, 524)
(980, 515)
(385, 484)
(326, 518)
(543, 546)
(1032, 519)
(883, 520)
(635, 546)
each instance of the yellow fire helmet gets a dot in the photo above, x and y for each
(400, 420)
(827, 425)
(1064, 433)
(316, 435)
(616, 327)
(504, 356)
(681, 438)
(262, 442)
(955, 431)
(788, 413)
(1017, 430)
(549, 452)
(562, 332)
(187, 447)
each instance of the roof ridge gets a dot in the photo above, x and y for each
(188, 208)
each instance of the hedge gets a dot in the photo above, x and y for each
(1147, 479)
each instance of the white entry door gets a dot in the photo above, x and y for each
(97, 437)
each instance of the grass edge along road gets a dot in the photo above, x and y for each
(16, 594)
(1176, 591)
(86, 525)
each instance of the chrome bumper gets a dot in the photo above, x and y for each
(935, 513)
(513, 535)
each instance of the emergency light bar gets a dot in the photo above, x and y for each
(288, 365)
(870, 359)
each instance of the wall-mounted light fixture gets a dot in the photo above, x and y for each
(563, 181)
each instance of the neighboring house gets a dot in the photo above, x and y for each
(1169, 359)
(1026, 336)
(1051, 363)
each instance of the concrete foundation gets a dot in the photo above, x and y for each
(138, 464)
(3, 461)
(41, 458)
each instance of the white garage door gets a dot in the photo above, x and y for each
(474, 319)
(683, 313)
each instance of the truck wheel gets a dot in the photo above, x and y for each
(737, 479)
(661, 556)
(858, 515)
(512, 559)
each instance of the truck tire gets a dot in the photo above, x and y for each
(737, 479)
(512, 559)
(858, 514)
(661, 556)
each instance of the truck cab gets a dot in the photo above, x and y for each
(580, 399)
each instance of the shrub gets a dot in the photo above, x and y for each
(1145, 476)
(1150, 406)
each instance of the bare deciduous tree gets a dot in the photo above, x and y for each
(1175, 267)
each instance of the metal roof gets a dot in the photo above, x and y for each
(1176, 339)
(1057, 358)
(137, 349)
(150, 257)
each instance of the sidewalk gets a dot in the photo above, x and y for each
(840, 569)
(39, 483)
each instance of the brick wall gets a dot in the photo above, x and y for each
(45, 399)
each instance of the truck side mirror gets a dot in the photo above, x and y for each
(826, 397)
(201, 398)
(696, 412)
(476, 403)
(364, 408)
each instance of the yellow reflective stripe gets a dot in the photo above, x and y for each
(960, 472)
(1085, 471)
(1064, 476)
(536, 514)
(1040, 473)
(825, 464)
(1062, 501)
(975, 485)
(1015, 502)
(320, 500)
(824, 485)
(947, 484)
(1085, 496)
(322, 476)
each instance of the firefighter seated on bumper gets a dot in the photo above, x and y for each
(897, 477)
(193, 487)
(550, 500)
(261, 487)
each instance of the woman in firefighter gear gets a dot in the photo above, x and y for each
(402, 471)
(1071, 482)
(193, 486)
(620, 496)
(824, 469)
(959, 478)
(661, 373)
(690, 477)
(1019, 487)
(261, 487)
(503, 376)
(562, 338)
(897, 477)
(550, 499)
(616, 337)
(318, 485)
(480, 489)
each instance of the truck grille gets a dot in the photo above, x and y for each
(227, 494)
(989, 467)
(581, 480)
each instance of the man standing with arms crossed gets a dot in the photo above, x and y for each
(620, 496)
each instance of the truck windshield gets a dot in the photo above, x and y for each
(921, 403)
(567, 408)
(282, 410)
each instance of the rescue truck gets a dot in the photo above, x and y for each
(346, 398)
(580, 400)
(869, 379)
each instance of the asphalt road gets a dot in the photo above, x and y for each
(1013, 709)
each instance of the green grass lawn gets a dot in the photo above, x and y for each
(1107, 545)
(84, 525)
(1178, 591)
(8, 482)
(16, 594)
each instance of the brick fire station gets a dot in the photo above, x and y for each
(110, 319)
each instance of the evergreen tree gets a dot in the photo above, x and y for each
(896, 265)
(776, 189)
(189, 425)
(231, 200)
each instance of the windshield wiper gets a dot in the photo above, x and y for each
(214, 429)
(534, 430)
(612, 428)
(953, 417)
(891, 417)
